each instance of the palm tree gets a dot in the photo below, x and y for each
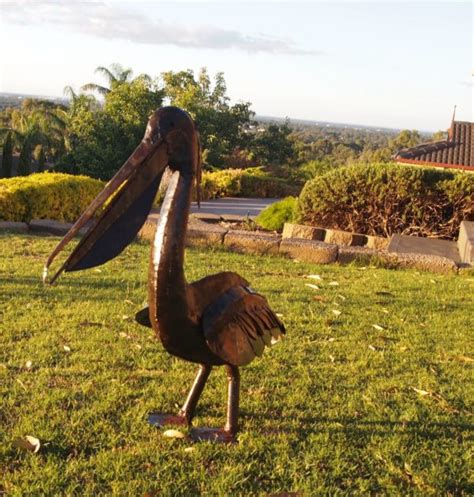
(37, 129)
(26, 133)
(115, 75)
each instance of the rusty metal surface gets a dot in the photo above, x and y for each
(215, 321)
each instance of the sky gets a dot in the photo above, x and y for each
(393, 64)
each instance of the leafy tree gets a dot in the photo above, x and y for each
(130, 105)
(221, 126)
(273, 147)
(313, 168)
(101, 138)
(405, 139)
(439, 135)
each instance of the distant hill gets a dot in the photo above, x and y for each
(325, 124)
(15, 99)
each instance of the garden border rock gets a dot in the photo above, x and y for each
(309, 250)
(13, 227)
(202, 234)
(252, 243)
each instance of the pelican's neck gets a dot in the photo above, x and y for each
(167, 283)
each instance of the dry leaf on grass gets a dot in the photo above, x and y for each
(336, 312)
(174, 434)
(341, 297)
(333, 283)
(66, 348)
(464, 358)
(378, 327)
(419, 391)
(29, 443)
(21, 384)
(371, 347)
(28, 364)
(384, 294)
(314, 277)
(310, 285)
(189, 449)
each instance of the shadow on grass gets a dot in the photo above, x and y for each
(76, 282)
(366, 428)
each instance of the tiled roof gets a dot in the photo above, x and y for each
(456, 151)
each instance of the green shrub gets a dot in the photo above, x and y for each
(277, 214)
(382, 199)
(252, 182)
(46, 196)
(266, 187)
(218, 184)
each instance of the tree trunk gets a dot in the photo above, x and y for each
(6, 170)
(41, 161)
(24, 161)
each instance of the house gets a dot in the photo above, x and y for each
(455, 152)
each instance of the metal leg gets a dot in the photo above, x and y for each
(186, 413)
(233, 376)
(228, 434)
(189, 406)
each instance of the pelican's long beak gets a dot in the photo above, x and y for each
(123, 207)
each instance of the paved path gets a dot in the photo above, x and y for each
(230, 208)
(233, 206)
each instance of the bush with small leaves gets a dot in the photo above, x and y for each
(277, 214)
(383, 199)
(57, 196)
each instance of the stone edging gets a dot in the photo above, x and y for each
(201, 234)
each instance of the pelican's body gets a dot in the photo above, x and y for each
(215, 321)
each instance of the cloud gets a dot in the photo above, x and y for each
(108, 21)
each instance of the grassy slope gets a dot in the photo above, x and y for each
(322, 412)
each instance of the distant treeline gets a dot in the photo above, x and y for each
(94, 130)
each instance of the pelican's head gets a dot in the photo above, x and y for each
(123, 205)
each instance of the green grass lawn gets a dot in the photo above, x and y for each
(340, 407)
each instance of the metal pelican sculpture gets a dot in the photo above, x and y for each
(216, 321)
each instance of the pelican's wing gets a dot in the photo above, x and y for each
(239, 324)
(200, 294)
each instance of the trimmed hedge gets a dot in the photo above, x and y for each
(276, 215)
(252, 182)
(57, 196)
(382, 199)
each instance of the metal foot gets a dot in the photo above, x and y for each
(212, 435)
(161, 419)
(228, 434)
